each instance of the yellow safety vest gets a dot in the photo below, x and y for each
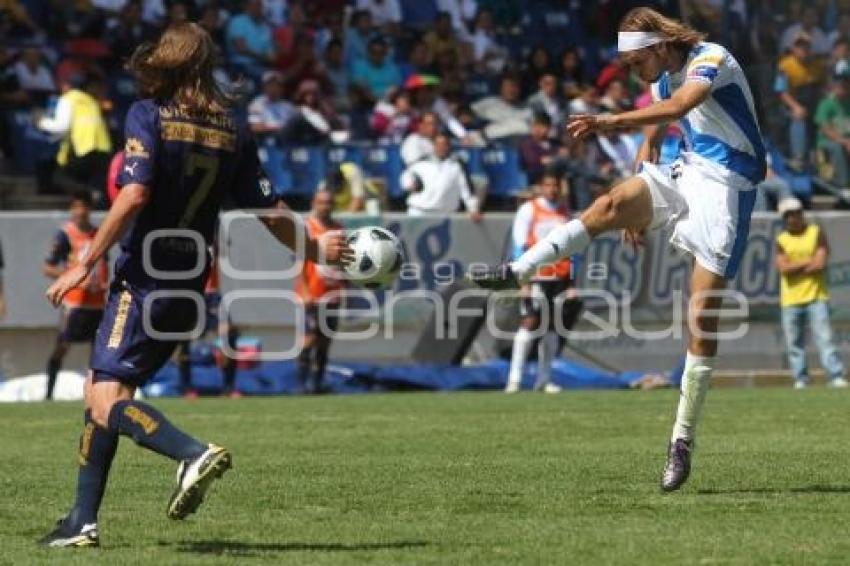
(801, 288)
(88, 128)
(343, 196)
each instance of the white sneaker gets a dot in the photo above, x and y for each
(551, 388)
(194, 479)
(512, 387)
(800, 384)
(838, 383)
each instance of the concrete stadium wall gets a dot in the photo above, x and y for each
(440, 247)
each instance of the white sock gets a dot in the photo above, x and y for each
(564, 241)
(545, 355)
(695, 381)
(519, 355)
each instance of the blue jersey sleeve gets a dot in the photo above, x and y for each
(251, 188)
(60, 249)
(141, 131)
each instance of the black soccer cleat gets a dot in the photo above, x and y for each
(194, 478)
(678, 466)
(68, 535)
(498, 278)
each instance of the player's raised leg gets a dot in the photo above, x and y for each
(627, 206)
(696, 377)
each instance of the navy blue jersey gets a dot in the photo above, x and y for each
(191, 164)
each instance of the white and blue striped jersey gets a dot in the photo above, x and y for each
(723, 128)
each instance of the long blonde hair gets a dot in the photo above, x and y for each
(678, 34)
(180, 67)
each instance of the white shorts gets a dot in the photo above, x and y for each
(706, 208)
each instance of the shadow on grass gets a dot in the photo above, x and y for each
(247, 549)
(786, 490)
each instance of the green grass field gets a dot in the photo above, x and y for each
(479, 478)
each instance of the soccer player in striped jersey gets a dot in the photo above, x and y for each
(705, 198)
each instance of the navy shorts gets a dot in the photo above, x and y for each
(123, 351)
(79, 324)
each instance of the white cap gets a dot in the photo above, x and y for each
(789, 204)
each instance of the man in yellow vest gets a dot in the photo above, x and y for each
(801, 256)
(84, 151)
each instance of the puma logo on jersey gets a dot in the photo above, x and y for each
(130, 168)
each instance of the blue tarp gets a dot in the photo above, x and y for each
(277, 378)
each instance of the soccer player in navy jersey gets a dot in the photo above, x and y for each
(184, 155)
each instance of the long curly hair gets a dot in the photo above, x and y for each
(180, 67)
(675, 32)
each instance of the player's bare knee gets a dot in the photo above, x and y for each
(602, 212)
(100, 409)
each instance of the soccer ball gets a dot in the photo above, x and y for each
(377, 257)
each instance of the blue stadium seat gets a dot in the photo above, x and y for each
(273, 160)
(472, 159)
(501, 165)
(341, 153)
(384, 162)
(30, 145)
(307, 165)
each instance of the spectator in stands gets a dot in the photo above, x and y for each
(419, 145)
(614, 70)
(269, 114)
(153, 12)
(15, 21)
(616, 97)
(318, 287)
(249, 40)
(316, 119)
(802, 252)
(546, 100)
(506, 14)
(305, 65)
(212, 20)
(426, 98)
(177, 13)
(128, 31)
(462, 12)
(33, 74)
(587, 102)
(442, 39)
(586, 173)
(537, 64)
(386, 14)
(419, 61)
(438, 184)
(505, 114)
(537, 150)
(376, 74)
(350, 187)
(798, 83)
(333, 64)
(620, 148)
(288, 38)
(809, 25)
(833, 120)
(487, 54)
(85, 149)
(276, 11)
(357, 37)
(841, 31)
(772, 190)
(392, 119)
(572, 71)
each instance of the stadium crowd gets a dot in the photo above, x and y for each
(347, 94)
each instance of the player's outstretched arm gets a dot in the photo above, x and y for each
(680, 103)
(330, 248)
(130, 201)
